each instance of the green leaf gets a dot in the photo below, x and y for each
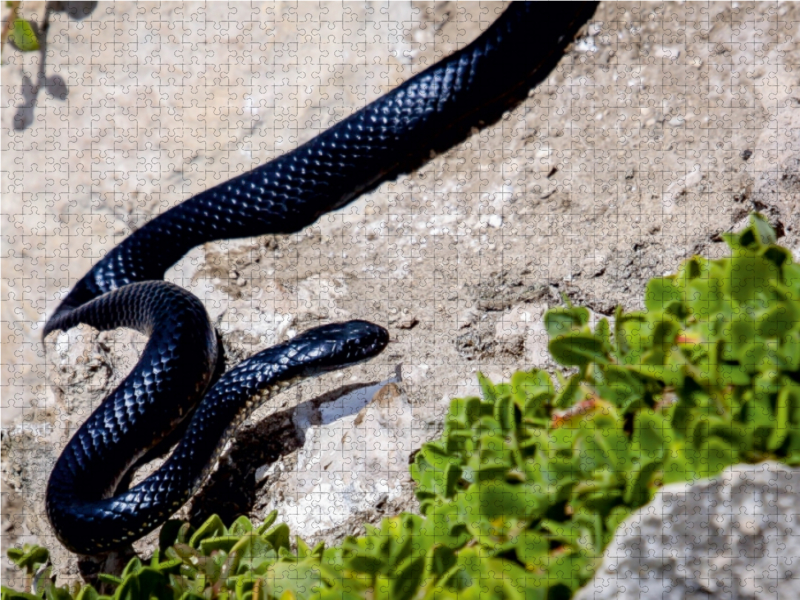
(245, 585)
(438, 560)
(778, 256)
(775, 321)
(504, 413)
(620, 385)
(578, 349)
(559, 321)
(168, 566)
(763, 232)
(222, 542)
(268, 521)
(790, 350)
(251, 554)
(637, 492)
(566, 532)
(279, 536)
(87, 592)
(14, 554)
(603, 331)
(615, 518)
(9, 594)
(661, 293)
(147, 583)
(670, 375)
(465, 411)
(732, 239)
(569, 393)
(133, 566)
(458, 442)
(748, 277)
(705, 297)
(29, 557)
(738, 334)
(241, 526)
(786, 397)
(714, 456)
(109, 579)
(23, 36)
(532, 390)
(651, 433)
(498, 499)
(212, 527)
(532, 548)
(300, 580)
(406, 579)
(665, 329)
(487, 388)
(303, 550)
(52, 592)
(694, 268)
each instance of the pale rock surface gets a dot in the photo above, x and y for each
(733, 536)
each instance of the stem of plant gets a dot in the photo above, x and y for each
(9, 23)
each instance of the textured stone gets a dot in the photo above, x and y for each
(734, 536)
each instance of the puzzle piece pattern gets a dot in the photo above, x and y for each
(663, 126)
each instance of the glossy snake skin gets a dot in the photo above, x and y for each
(126, 289)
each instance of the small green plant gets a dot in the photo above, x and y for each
(528, 483)
(20, 32)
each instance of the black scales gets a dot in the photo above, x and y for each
(398, 131)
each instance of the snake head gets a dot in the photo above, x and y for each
(338, 345)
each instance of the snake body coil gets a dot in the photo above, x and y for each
(396, 131)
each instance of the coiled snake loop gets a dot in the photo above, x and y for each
(391, 135)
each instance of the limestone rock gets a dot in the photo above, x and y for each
(734, 536)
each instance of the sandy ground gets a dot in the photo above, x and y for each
(664, 125)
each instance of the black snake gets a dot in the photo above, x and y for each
(399, 130)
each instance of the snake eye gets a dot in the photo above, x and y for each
(365, 340)
(340, 345)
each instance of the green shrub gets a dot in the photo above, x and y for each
(527, 485)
